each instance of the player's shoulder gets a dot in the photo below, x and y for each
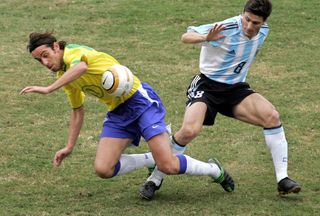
(232, 26)
(74, 47)
(232, 23)
(77, 51)
(264, 29)
(74, 53)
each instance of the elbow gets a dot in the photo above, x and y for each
(79, 109)
(83, 67)
(184, 38)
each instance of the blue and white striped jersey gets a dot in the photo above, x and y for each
(228, 60)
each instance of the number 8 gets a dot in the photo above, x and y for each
(239, 67)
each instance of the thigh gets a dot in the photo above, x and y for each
(120, 126)
(152, 121)
(254, 109)
(109, 151)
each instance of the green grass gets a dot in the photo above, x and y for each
(145, 36)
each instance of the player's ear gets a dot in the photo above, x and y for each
(56, 46)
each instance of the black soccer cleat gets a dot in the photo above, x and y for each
(225, 179)
(147, 190)
(287, 185)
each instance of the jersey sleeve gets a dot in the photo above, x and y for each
(76, 97)
(203, 29)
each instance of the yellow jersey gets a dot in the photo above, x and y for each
(90, 81)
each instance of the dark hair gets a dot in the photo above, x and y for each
(261, 8)
(37, 39)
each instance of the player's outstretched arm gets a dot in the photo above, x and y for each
(35, 89)
(72, 74)
(194, 37)
(76, 121)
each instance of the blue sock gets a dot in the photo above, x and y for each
(183, 163)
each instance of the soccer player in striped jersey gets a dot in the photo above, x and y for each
(228, 49)
(140, 113)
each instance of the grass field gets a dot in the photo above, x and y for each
(145, 36)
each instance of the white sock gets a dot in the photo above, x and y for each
(157, 176)
(131, 162)
(196, 167)
(190, 166)
(276, 141)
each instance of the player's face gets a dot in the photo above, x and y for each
(251, 24)
(51, 58)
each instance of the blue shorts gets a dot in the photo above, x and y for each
(141, 115)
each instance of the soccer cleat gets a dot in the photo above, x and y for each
(287, 185)
(225, 180)
(148, 189)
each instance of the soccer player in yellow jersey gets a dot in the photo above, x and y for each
(140, 113)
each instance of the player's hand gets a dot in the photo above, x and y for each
(214, 33)
(60, 155)
(35, 89)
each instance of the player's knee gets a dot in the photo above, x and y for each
(168, 167)
(104, 171)
(189, 132)
(272, 119)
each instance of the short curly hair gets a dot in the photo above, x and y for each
(261, 8)
(37, 39)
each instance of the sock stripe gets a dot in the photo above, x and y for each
(275, 130)
(183, 163)
(273, 127)
(175, 142)
(116, 169)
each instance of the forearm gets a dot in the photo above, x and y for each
(72, 74)
(193, 37)
(76, 121)
(214, 34)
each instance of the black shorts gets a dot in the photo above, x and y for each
(219, 97)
